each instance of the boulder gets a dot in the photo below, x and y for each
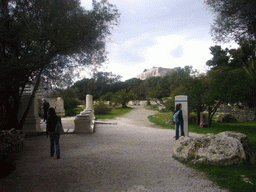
(225, 148)
(144, 103)
(162, 108)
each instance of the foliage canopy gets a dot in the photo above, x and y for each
(234, 19)
(49, 39)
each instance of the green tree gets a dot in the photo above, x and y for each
(179, 77)
(47, 39)
(123, 97)
(134, 85)
(100, 84)
(226, 85)
(232, 76)
(217, 81)
(154, 88)
(107, 97)
(157, 93)
(197, 88)
(234, 19)
(220, 57)
(244, 57)
(82, 86)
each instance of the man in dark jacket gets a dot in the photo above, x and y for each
(46, 107)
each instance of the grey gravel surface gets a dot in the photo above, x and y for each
(127, 154)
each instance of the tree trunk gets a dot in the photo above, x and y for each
(209, 119)
(255, 114)
(124, 105)
(22, 121)
(212, 111)
(198, 118)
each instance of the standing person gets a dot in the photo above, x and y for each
(52, 121)
(46, 106)
(180, 121)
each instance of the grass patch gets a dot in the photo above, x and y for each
(114, 113)
(236, 178)
(232, 176)
(162, 119)
(78, 110)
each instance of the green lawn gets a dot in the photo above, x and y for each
(230, 177)
(114, 113)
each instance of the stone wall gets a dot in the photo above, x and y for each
(244, 114)
(144, 102)
(56, 103)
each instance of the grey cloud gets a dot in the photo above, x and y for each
(133, 50)
(178, 52)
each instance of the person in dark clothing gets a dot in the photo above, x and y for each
(46, 106)
(50, 130)
(180, 121)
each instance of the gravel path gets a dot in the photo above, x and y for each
(131, 155)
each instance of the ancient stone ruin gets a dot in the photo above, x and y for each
(155, 72)
(84, 122)
(228, 113)
(225, 148)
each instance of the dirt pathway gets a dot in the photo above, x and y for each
(130, 155)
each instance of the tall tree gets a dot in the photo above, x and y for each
(217, 87)
(244, 58)
(227, 80)
(235, 20)
(47, 38)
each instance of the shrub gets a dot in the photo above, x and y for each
(70, 112)
(101, 108)
(192, 118)
(169, 104)
(11, 145)
(70, 104)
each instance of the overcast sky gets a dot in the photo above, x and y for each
(159, 33)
